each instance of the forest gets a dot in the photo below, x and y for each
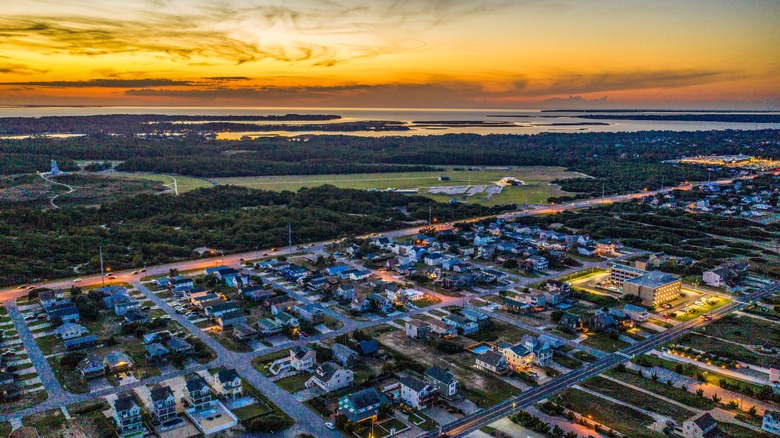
(150, 229)
(627, 161)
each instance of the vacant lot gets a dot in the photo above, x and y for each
(637, 398)
(662, 389)
(725, 349)
(745, 330)
(604, 343)
(619, 417)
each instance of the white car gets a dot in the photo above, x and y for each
(78, 280)
(330, 425)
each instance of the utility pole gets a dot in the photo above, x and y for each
(662, 182)
(102, 271)
(289, 238)
(430, 221)
(603, 190)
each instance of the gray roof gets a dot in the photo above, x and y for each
(160, 393)
(178, 344)
(195, 383)
(226, 374)
(365, 398)
(117, 356)
(705, 422)
(124, 402)
(491, 358)
(156, 349)
(654, 279)
(326, 371)
(440, 374)
(412, 382)
(341, 350)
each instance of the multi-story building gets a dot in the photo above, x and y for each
(330, 377)
(620, 273)
(771, 422)
(197, 392)
(492, 361)
(443, 380)
(163, 404)
(654, 288)
(417, 393)
(127, 415)
(227, 384)
(517, 356)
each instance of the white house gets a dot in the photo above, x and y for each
(416, 393)
(636, 313)
(70, 330)
(303, 358)
(331, 377)
(771, 422)
(227, 384)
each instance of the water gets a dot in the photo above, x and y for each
(480, 350)
(536, 122)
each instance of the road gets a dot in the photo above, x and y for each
(51, 201)
(484, 417)
(234, 259)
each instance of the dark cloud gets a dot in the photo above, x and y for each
(104, 83)
(19, 68)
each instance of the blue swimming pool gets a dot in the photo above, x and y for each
(481, 349)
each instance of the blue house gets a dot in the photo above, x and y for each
(336, 270)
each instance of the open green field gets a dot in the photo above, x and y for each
(184, 183)
(536, 178)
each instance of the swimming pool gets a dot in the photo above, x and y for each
(481, 349)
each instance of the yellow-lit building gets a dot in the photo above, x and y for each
(654, 288)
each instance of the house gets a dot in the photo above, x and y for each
(80, 343)
(311, 313)
(474, 316)
(136, 316)
(570, 322)
(70, 331)
(62, 313)
(417, 329)
(702, 426)
(91, 367)
(461, 323)
(111, 294)
(539, 263)
(268, 327)
(360, 303)
(362, 405)
(515, 306)
(48, 298)
(380, 303)
(605, 246)
(180, 282)
(492, 361)
(256, 293)
(124, 304)
(163, 404)
(433, 259)
(603, 322)
(243, 332)
(158, 336)
(227, 384)
(636, 313)
(442, 329)
(727, 274)
(197, 392)
(330, 377)
(231, 318)
(303, 358)
(541, 350)
(344, 355)
(443, 380)
(517, 356)
(199, 298)
(336, 270)
(771, 422)
(345, 292)
(127, 415)
(118, 362)
(284, 319)
(417, 393)
(357, 274)
(284, 306)
(155, 352)
(220, 309)
(178, 345)
(774, 372)
(368, 347)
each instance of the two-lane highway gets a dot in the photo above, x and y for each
(484, 417)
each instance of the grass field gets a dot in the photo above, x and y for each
(619, 417)
(184, 183)
(636, 398)
(664, 390)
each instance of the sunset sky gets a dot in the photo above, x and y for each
(402, 53)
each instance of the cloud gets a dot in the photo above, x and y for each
(7, 68)
(103, 83)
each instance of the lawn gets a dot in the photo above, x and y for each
(604, 343)
(584, 356)
(700, 310)
(536, 191)
(251, 411)
(5, 428)
(49, 344)
(499, 332)
(725, 349)
(637, 398)
(294, 383)
(692, 371)
(422, 421)
(745, 330)
(662, 389)
(260, 363)
(566, 361)
(425, 302)
(69, 378)
(738, 431)
(184, 183)
(47, 423)
(227, 340)
(619, 417)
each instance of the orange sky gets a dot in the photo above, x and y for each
(400, 53)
